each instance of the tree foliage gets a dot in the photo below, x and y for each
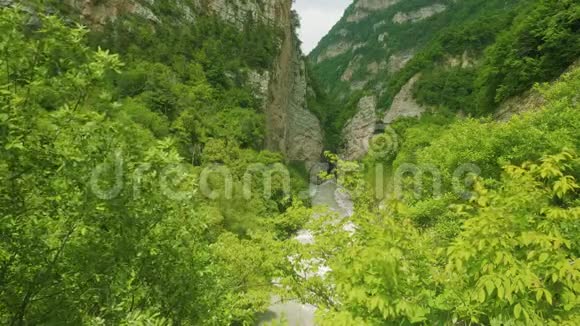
(503, 253)
(99, 221)
(103, 219)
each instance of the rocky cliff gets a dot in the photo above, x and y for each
(368, 47)
(374, 40)
(359, 130)
(233, 12)
(404, 105)
(291, 128)
(393, 50)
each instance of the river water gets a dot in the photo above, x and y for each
(295, 313)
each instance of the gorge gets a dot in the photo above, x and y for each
(182, 162)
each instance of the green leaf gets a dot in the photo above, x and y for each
(548, 296)
(481, 295)
(500, 292)
(490, 287)
(14, 145)
(517, 311)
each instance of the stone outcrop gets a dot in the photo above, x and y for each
(260, 83)
(404, 105)
(463, 61)
(382, 37)
(343, 32)
(359, 130)
(291, 128)
(374, 67)
(528, 101)
(363, 8)
(415, 16)
(334, 51)
(371, 70)
(531, 100)
(399, 60)
(352, 67)
(237, 12)
(304, 141)
(98, 12)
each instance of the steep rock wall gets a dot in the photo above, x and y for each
(291, 128)
(304, 141)
(404, 105)
(97, 12)
(359, 130)
(237, 12)
(363, 8)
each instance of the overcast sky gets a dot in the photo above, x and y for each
(318, 17)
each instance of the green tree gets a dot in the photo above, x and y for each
(99, 220)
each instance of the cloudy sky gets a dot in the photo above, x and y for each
(318, 17)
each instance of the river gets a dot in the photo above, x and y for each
(296, 313)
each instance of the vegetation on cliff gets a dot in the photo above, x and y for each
(101, 164)
(471, 57)
(501, 250)
(459, 219)
(134, 188)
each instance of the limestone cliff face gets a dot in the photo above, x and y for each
(304, 137)
(419, 14)
(370, 43)
(359, 130)
(363, 8)
(367, 49)
(291, 128)
(97, 13)
(404, 105)
(234, 12)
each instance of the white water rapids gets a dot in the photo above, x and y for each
(294, 313)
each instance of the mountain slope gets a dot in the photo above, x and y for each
(411, 56)
(264, 55)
